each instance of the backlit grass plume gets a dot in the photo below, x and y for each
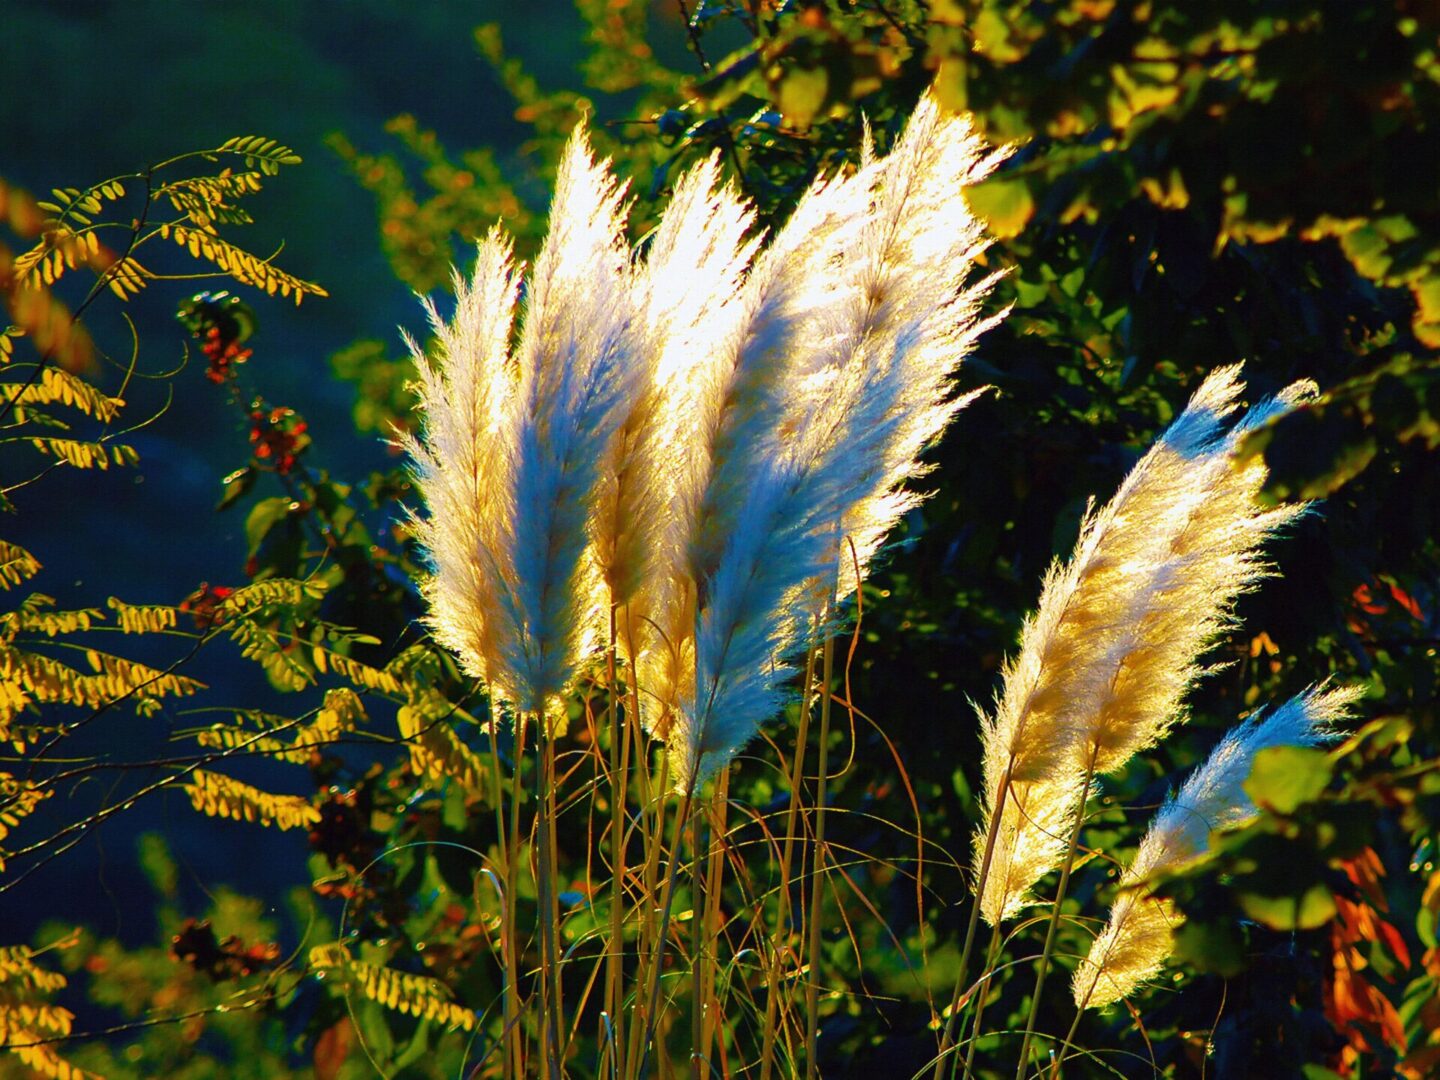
(1137, 939)
(1105, 662)
(834, 376)
(515, 439)
(712, 438)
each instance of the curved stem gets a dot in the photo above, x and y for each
(782, 918)
(615, 954)
(947, 1041)
(548, 907)
(1044, 964)
(817, 895)
(681, 817)
(991, 952)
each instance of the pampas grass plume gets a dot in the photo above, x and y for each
(1137, 939)
(1106, 661)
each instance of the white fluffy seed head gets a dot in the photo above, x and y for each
(1106, 661)
(1137, 938)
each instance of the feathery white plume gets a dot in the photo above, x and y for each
(513, 444)
(850, 329)
(1137, 940)
(1105, 662)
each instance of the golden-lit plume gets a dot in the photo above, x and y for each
(835, 376)
(684, 289)
(710, 440)
(511, 460)
(1137, 940)
(1105, 662)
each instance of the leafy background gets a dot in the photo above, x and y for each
(1191, 186)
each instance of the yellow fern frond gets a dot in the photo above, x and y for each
(208, 200)
(116, 677)
(261, 153)
(16, 565)
(435, 750)
(18, 799)
(240, 264)
(219, 796)
(362, 675)
(283, 661)
(7, 342)
(43, 1059)
(49, 681)
(413, 995)
(225, 737)
(333, 955)
(288, 592)
(18, 971)
(30, 1017)
(13, 701)
(86, 455)
(345, 706)
(33, 616)
(56, 386)
(336, 717)
(126, 277)
(142, 619)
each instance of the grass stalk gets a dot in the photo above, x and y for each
(615, 954)
(948, 1038)
(682, 816)
(992, 952)
(549, 908)
(511, 1008)
(787, 849)
(512, 879)
(720, 811)
(1044, 964)
(699, 851)
(817, 890)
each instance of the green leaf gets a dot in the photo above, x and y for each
(237, 485)
(264, 516)
(1216, 947)
(1006, 205)
(1285, 778)
(1310, 910)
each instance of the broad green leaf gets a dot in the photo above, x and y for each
(1285, 778)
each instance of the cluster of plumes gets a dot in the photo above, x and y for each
(708, 442)
(1107, 659)
(1137, 939)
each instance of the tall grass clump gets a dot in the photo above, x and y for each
(668, 480)
(660, 475)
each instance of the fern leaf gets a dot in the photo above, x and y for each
(414, 995)
(126, 277)
(85, 455)
(216, 795)
(18, 799)
(286, 592)
(240, 264)
(362, 675)
(117, 677)
(19, 972)
(56, 386)
(261, 153)
(16, 565)
(337, 716)
(226, 737)
(33, 616)
(435, 750)
(282, 661)
(142, 619)
(208, 200)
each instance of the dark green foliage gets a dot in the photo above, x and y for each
(1192, 185)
